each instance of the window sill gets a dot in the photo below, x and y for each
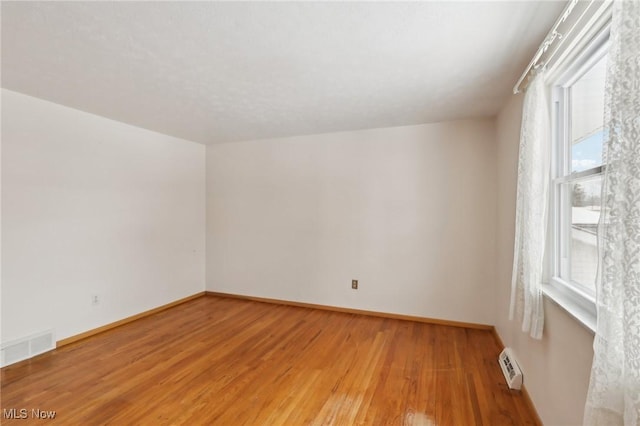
(585, 316)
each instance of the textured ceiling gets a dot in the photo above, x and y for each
(220, 72)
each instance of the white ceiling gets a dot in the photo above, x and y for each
(219, 72)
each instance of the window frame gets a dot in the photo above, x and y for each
(572, 296)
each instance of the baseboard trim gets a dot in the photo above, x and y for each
(529, 402)
(353, 311)
(496, 336)
(127, 320)
(525, 393)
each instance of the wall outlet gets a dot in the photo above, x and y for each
(354, 284)
(95, 300)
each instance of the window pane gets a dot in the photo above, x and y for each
(587, 118)
(587, 153)
(585, 213)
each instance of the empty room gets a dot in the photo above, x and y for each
(300, 213)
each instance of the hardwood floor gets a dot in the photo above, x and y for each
(225, 361)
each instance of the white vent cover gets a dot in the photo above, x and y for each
(27, 347)
(510, 369)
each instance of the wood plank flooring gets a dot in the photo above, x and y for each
(225, 361)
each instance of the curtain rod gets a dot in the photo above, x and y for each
(550, 38)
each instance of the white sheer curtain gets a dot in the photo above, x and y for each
(531, 210)
(614, 391)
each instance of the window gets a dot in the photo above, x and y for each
(578, 98)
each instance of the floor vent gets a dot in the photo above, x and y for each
(510, 369)
(27, 347)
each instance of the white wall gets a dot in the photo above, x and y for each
(408, 211)
(94, 206)
(556, 368)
